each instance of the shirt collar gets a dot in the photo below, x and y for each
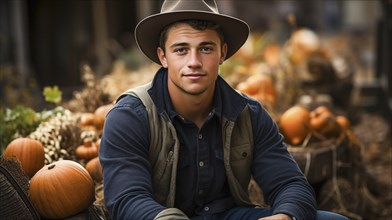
(227, 102)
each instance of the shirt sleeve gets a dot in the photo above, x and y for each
(284, 185)
(126, 169)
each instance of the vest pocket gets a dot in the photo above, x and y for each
(161, 178)
(241, 161)
(161, 171)
(240, 152)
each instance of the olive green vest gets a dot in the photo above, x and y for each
(164, 151)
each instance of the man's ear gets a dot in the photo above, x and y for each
(162, 57)
(223, 53)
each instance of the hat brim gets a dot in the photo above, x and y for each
(147, 32)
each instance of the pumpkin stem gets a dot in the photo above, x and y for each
(88, 143)
(51, 166)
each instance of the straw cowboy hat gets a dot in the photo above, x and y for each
(147, 32)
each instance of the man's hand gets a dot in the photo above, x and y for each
(277, 217)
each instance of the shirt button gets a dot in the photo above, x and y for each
(200, 136)
(201, 192)
(206, 208)
(201, 164)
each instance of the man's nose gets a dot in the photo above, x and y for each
(194, 59)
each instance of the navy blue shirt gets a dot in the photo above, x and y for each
(201, 181)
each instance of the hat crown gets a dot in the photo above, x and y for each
(189, 5)
(148, 30)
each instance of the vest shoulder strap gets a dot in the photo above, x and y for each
(141, 92)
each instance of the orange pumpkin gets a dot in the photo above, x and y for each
(248, 88)
(343, 122)
(100, 115)
(87, 151)
(86, 119)
(295, 124)
(323, 121)
(94, 169)
(62, 189)
(271, 54)
(29, 152)
(302, 43)
(260, 87)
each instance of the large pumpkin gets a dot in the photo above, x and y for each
(295, 124)
(62, 189)
(29, 152)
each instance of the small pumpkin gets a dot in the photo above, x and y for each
(29, 152)
(86, 119)
(61, 189)
(323, 121)
(94, 169)
(249, 86)
(295, 124)
(260, 87)
(271, 54)
(87, 150)
(344, 122)
(100, 115)
(302, 43)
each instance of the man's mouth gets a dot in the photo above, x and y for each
(194, 76)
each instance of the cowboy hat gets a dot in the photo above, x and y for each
(147, 31)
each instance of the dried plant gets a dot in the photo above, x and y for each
(91, 96)
(60, 135)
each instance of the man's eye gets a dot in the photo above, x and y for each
(206, 49)
(180, 50)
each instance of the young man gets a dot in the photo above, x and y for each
(186, 145)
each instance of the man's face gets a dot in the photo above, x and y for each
(192, 58)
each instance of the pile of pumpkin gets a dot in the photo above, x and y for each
(65, 187)
(261, 87)
(298, 122)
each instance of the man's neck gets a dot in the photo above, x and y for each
(193, 108)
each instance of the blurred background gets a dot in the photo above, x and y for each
(44, 42)
(321, 52)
